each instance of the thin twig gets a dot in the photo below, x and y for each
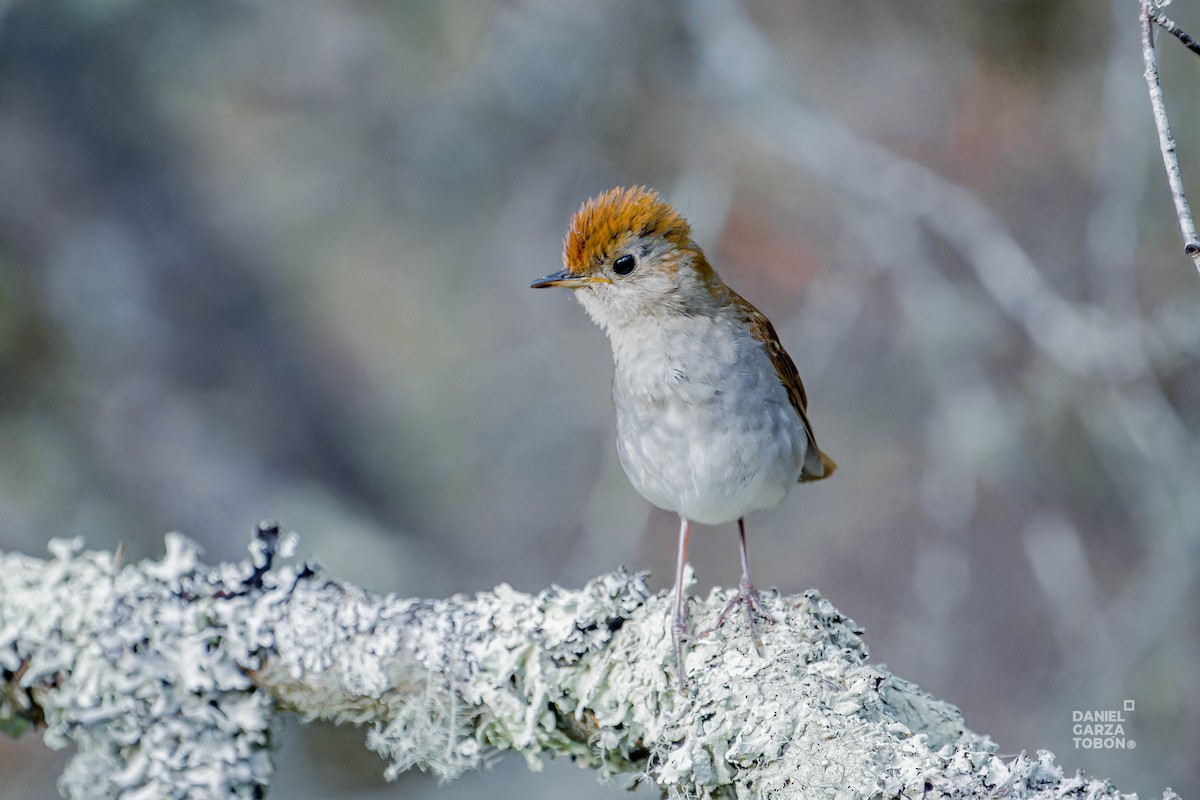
(1166, 141)
(1168, 25)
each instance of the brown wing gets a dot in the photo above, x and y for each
(817, 465)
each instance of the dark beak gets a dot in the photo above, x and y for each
(566, 280)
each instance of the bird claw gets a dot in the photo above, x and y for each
(747, 597)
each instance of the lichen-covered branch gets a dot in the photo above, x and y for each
(167, 676)
(1166, 140)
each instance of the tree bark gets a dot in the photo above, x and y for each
(167, 675)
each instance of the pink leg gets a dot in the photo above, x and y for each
(679, 626)
(746, 595)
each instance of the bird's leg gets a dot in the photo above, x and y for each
(746, 595)
(679, 626)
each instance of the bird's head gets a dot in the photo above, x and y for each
(630, 256)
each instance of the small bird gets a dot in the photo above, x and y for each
(712, 419)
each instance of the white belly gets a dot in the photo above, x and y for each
(704, 428)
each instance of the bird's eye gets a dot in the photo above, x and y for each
(624, 265)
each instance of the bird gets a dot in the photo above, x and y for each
(711, 416)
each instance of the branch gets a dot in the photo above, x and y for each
(167, 676)
(1166, 141)
(1168, 25)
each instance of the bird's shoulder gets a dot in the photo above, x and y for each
(763, 332)
(817, 465)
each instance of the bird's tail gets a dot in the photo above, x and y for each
(817, 465)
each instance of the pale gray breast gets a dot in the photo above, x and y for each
(710, 368)
(701, 414)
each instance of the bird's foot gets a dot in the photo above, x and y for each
(747, 597)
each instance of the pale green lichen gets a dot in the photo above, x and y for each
(127, 665)
(167, 676)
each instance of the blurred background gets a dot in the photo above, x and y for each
(270, 260)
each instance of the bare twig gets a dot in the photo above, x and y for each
(1166, 141)
(1168, 25)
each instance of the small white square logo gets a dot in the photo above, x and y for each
(1128, 705)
